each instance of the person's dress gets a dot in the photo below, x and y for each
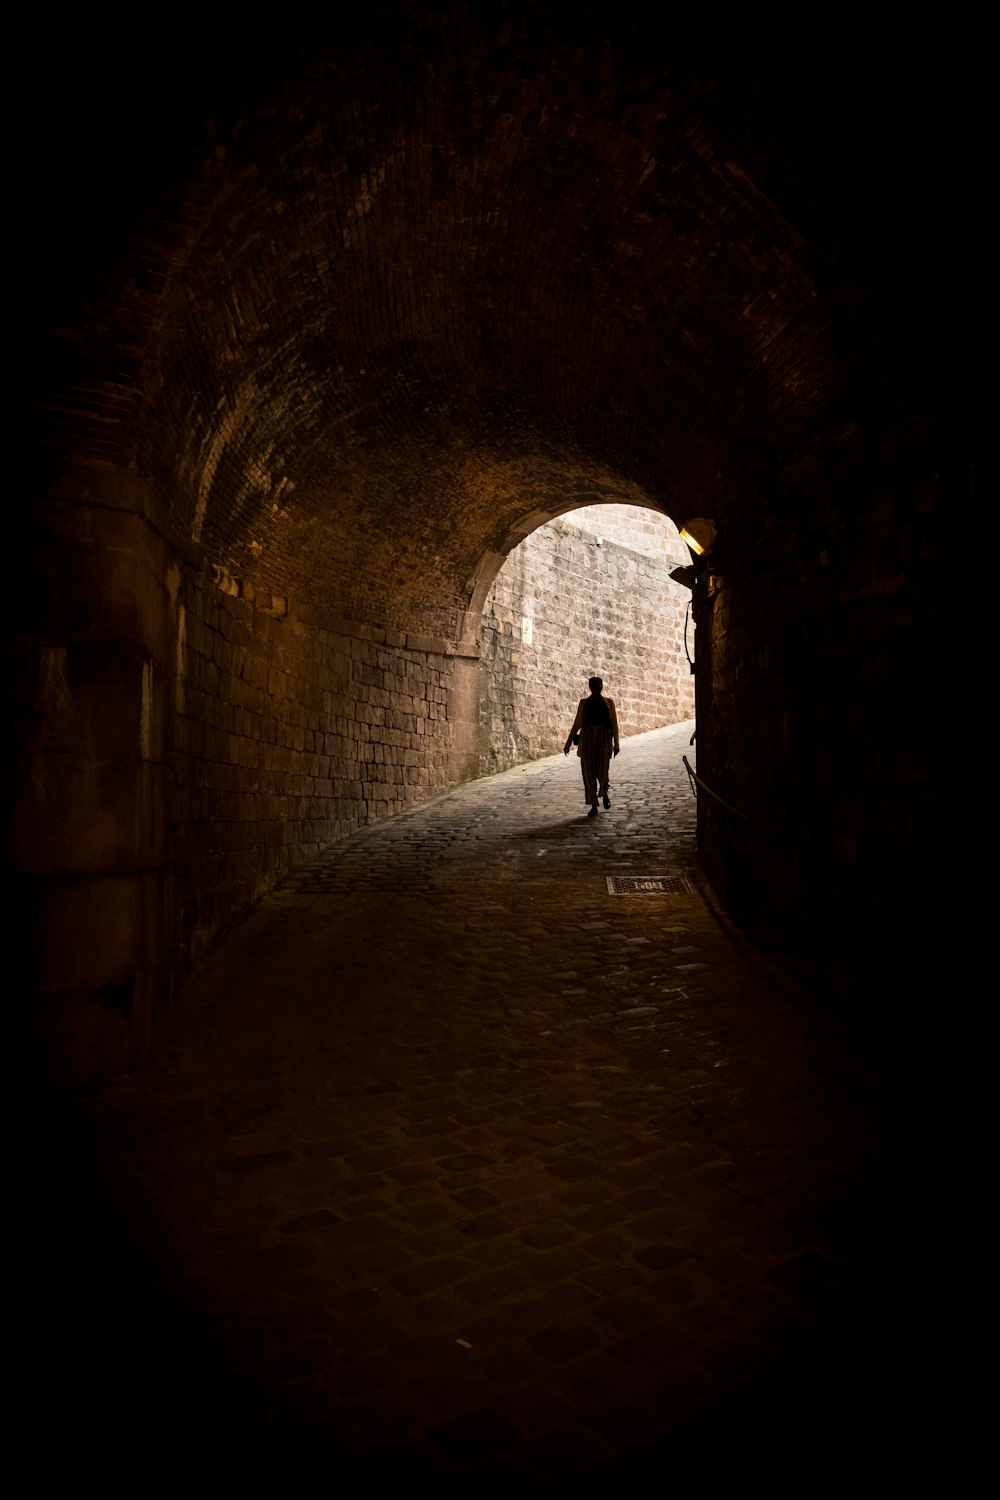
(597, 740)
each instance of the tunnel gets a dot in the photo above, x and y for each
(325, 321)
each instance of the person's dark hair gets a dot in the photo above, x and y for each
(595, 684)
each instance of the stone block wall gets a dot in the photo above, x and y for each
(91, 663)
(595, 591)
(292, 728)
(179, 741)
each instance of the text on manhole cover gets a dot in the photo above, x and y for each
(648, 885)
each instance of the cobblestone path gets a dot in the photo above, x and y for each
(453, 1168)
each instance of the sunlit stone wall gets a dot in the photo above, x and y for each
(589, 594)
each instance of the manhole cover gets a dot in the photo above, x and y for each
(648, 885)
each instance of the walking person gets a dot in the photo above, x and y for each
(595, 732)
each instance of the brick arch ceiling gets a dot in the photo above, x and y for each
(434, 275)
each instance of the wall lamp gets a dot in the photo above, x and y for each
(699, 534)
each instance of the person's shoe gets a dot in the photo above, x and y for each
(607, 800)
(593, 811)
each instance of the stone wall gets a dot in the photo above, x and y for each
(816, 729)
(92, 663)
(293, 728)
(588, 594)
(180, 741)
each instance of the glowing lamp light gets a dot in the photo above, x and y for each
(699, 534)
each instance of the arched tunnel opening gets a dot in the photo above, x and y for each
(589, 592)
(352, 310)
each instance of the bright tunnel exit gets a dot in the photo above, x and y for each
(587, 593)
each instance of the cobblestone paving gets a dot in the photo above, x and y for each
(452, 1166)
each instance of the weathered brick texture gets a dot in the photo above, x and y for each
(289, 733)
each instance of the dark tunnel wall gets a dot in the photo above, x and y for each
(342, 318)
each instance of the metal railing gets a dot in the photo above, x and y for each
(698, 785)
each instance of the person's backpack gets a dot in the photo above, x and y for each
(595, 711)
